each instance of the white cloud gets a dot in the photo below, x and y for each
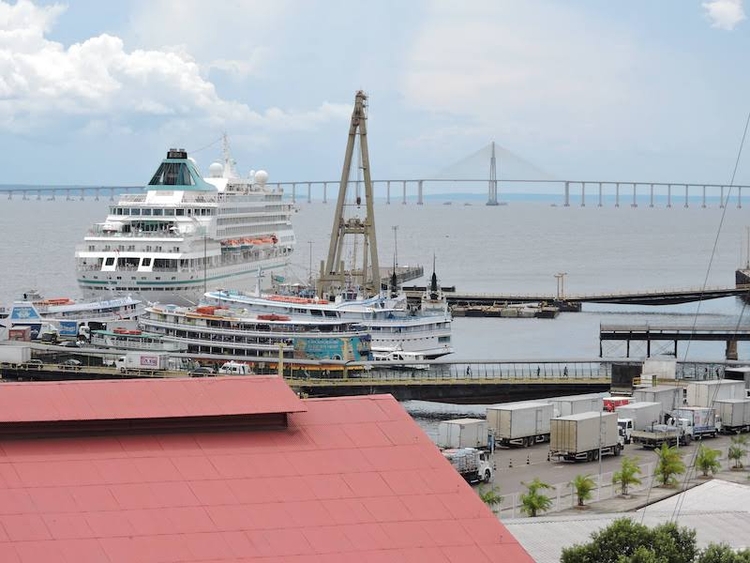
(523, 72)
(43, 83)
(724, 14)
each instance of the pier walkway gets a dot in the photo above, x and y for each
(571, 302)
(731, 334)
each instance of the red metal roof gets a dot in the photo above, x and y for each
(350, 479)
(145, 399)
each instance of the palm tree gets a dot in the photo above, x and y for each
(533, 501)
(737, 450)
(583, 486)
(491, 497)
(627, 475)
(707, 460)
(670, 465)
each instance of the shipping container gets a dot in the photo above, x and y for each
(463, 433)
(611, 403)
(520, 424)
(704, 393)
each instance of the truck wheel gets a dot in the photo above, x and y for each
(618, 449)
(487, 475)
(596, 455)
(589, 456)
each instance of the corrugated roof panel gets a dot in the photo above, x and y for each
(138, 399)
(309, 493)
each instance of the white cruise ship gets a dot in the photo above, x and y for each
(186, 234)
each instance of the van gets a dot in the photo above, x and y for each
(235, 368)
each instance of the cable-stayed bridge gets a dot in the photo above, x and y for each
(484, 171)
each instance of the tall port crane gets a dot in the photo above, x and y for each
(334, 278)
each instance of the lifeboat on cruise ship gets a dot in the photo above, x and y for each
(55, 301)
(125, 331)
(273, 317)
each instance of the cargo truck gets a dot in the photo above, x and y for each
(574, 404)
(473, 464)
(14, 357)
(463, 433)
(520, 424)
(670, 396)
(642, 414)
(679, 431)
(585, 436)
(701, 419)
(734, 415)
(704, 393)
(142, 362)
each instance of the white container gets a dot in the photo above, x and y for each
(669, 396)
(12, 354)
(462, 433)
(734, 413)
(643, 415)
(704, 393)
(514, 422)
(575, 404)
(582, 432)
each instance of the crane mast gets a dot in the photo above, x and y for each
(333, 276)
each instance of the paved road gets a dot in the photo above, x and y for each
(510, 480)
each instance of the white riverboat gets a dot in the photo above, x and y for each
(223, 331)
(66, 317)
(185, 234)
(423, 332)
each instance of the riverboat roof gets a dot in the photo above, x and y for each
(349, 479)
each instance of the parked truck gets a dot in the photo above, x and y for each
(574, 404)
(463, 433)
(14, 357)
(704, 393)
(678, 431)
(520, 424)
(585, 436)
(701, 419)
(670, 396)
(734, 415)
(473, 464)
(142, 362)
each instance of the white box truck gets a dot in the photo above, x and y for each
(12, 356)
(142, 362)
(585, 436)
(670, 396)
(463, 433)
(473, 464)
(701, 419)
(704, 393)
(734, 415)
(520, 424)
(642, 414)
(574, 404)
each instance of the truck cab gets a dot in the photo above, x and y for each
(626, 429)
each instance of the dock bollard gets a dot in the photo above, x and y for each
(510, 463)
(548, 456)
(528, 462)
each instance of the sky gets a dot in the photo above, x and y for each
(94, 93)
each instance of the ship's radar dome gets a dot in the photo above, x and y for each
(251, 174)
(215, 170)
(261, 177)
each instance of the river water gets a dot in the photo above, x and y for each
(515, 248)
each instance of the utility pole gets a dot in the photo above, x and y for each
(332, 278)
(395, 246)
